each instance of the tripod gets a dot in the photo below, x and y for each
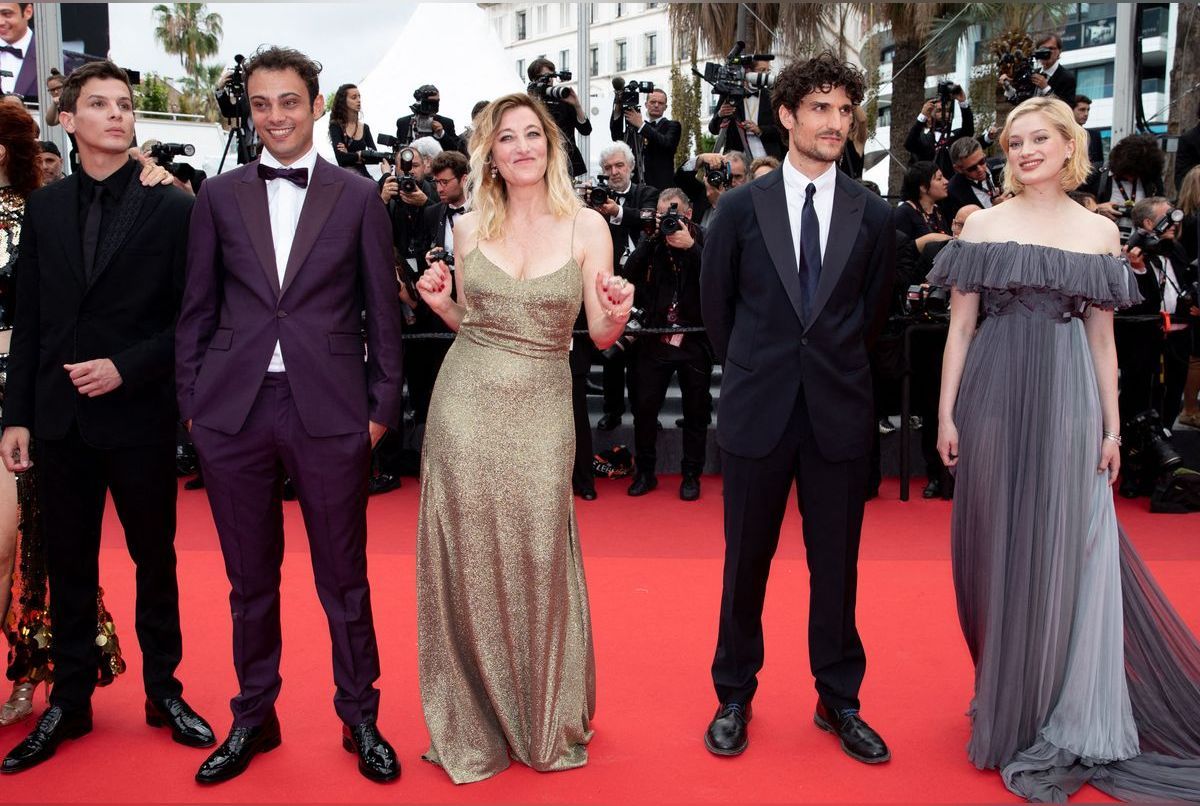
(245, 145)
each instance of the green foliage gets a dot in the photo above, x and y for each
(152, 95)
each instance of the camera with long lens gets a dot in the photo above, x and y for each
(595, 195)
(165, 153)
(1151, 240)
(1148, 454)
(629, 93)
(927, 303)
(1021, 69)
(633, 327)
(731, 78)
(371, 156)
(404, 176)
(544, 87)
(720, 177)
(672, 221)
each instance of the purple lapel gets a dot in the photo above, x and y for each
(251, 194)
(324, 188)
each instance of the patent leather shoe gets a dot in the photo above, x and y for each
(608, 422)
(689, 488)
(933, 489)
(586, 493)
(642, 484)
(727, 734)
(859, 740)
(53, 728)
(234, 754)
(187, 726)
(376, 758)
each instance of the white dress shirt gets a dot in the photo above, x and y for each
(285, 200)
(12, 64)
(795, 188)
(754, 143)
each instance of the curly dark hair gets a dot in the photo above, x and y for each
(18, 135)
(339, 109)
(276, 58)
(1137, 155)
(821, 73)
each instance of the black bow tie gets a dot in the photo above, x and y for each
(297, 176)
(20, 54)
(451, 212)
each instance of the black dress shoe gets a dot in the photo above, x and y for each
(54, 727)
(241, 745)
(859, 740)
(933, 489)
(376, 758)
(187, 726)
(642, 484)
(608, 422)
(382, 483)
(196, 482)
(727, 734)
(586, 493)
(689, 488)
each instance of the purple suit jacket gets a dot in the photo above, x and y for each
(234, 309)
(26, 80)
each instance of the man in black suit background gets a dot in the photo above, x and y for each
(1054, 79)
(91, 379)
(623, 211)
(426, 122)
(748, 123)
(930, 137)
(794, 281)
(568, 113)
(659, 137)
(1082, 109)
(693, 179)
(972, 182)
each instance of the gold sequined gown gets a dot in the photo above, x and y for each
(504, 638)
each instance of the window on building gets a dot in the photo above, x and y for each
(594, 61)
(520, 25)
(1095, 81)
(620, 7)
(521, 69)
(651, 6)
(540, 19)
(887, 55)
(564, 15)
(651, 50)
(564, 60)
(620, 60)
(885, 116)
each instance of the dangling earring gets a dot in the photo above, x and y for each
(495, 173)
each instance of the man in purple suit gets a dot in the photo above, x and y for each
(273, 370)
(18, 52)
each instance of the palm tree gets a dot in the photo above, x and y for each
(187, 31)
(200, 90)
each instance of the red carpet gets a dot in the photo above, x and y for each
(654, 572)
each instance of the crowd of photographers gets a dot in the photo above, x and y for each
(658, 212)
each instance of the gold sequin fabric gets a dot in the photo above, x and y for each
(504, 639)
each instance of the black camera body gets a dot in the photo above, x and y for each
(544, 87)
(438, 253)
(596, 195)
(672, 221)
(165, 153)
(731, 79)
(629, 93)
(719, 178)
(633, 327)
(1151, 240)
(404, 163)
(1023, 69)
(927, 303)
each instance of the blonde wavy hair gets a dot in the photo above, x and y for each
(1189, 192)
(489, 196)
(1077, 168)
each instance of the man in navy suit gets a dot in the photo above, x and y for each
(794, 280)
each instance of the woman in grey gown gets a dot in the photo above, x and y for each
(1083, 671)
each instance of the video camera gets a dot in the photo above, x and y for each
(1151, 240)
(544, 87)
(1021, 69)
(423, 110)
(629, 92)
(731, 79)
(231, 96)
(165, 153)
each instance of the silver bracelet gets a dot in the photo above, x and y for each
(1114, 436)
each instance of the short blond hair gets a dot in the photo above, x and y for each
(1077, 168)
(1189, 192)
(488, 194)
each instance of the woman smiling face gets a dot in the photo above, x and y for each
(519, 147)
(1036, 150)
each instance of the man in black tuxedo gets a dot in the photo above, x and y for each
(748, 123)
(90, 377)
(972, 182)
(731, 167)
(1054, 79)
(794, 281)
(18, 50)
(623, 211)
(929, 138)
(425, 113)
(568, 113)
(1082, 109)
(659, 137)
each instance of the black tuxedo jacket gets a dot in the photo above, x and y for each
(771, 137)
(126, 313)
(959, 194)
(922, 146)
(1188, 155)
(1062, 85)
(637, 198)
(751, 299)
(660, 139)
(1152, 291)
(449, 140)
(1095, 148)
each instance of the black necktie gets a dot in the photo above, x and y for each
(297, 176)
(91, 230)
(20, 54)
(810, 251)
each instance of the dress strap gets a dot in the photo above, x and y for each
(574, 221)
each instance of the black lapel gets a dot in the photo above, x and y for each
(771, 210)
(72, 240)
(848, 205)
(136, 203)
(323, 191)
(251, 195)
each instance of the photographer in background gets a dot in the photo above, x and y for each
(564, 105)
(748, 124)
(623, 209)
(665, 270)
(930, 137)
(659, 137)
(1135, 172)
(1167, 285)
(348, 134)
(719, 173)
(426, 122)
(49, 161)
(406, 191)
(972, 182)
(1052, 78)
(1189, 237)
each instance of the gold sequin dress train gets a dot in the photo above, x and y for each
(503, 631)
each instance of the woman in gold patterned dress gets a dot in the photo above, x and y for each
(504, 637)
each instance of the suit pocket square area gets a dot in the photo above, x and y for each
(346, 344)
(222, 339)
